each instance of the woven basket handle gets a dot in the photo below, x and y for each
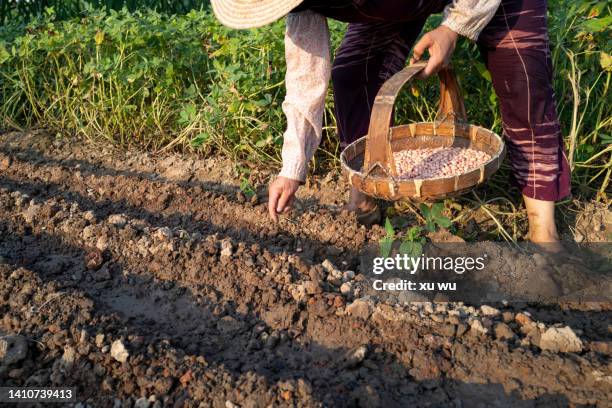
(378, 158)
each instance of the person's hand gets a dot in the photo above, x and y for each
(280, 196)
(440, 43)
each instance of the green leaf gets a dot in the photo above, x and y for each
(412, 249)
(386, 244)
(605, 60)
(424, 210)
(4, 54)
(444, 222)
(413, 233)
(436, 209)
(246, 187)
(199, 140)
(605, 138)
(389, 228)
(264, 142)
(483, 71)
(597, 24)
(431, 226)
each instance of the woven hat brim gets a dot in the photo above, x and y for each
(251, 13)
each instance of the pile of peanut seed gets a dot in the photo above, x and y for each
(438, 162)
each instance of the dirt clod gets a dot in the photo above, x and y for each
(12, 349)
(560, 339)
(119, 352)
(142, 286)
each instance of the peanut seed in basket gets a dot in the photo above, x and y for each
(438, 162)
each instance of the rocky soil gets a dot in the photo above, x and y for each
(155, 281)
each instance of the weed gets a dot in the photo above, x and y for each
(433, 217)
(411, 243)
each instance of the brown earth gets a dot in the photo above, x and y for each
(217, 306)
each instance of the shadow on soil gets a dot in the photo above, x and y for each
(149, 308)
(145, 307)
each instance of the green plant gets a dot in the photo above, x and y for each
(411, 243)
(434, 217)
(147, 77)
(246, 187)
(386, 242)
(15, 10)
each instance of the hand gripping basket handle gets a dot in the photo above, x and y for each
(378, 159)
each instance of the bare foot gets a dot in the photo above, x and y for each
(542, 228)
(548, 243)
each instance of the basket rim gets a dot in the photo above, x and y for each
(352, 171)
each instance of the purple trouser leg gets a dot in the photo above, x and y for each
(516, 51)
(515, 48)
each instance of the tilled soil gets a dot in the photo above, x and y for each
(153, 281)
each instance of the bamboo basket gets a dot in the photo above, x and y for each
(368, 162)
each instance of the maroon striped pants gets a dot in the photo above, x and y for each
(515, 48)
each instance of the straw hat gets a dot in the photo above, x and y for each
(251, 13)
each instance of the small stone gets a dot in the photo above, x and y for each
(93, 259)
(348, 276)
(226, 249)
(118, 220)
(334, 275)
(355, 356)
(508, 317)
(69, 357)
(602, 347)
(5, 163)
(119, 352)
(164, 233)
(437, 318)
(89, 232)
(339, 302)
(477, 328)
(186, 378)
(312, 287)
(102, 243)
(522, 319)
(89, 216)
(346, 289)
(12, 349)
(230, 404)
(360, 308)
(561, 339)
(298, 292)
(488, 310)
(142, 403)
(99, 340)
(503, 332)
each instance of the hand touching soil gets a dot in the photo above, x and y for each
(280, 196)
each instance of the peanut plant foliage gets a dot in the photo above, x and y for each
(138, 76)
